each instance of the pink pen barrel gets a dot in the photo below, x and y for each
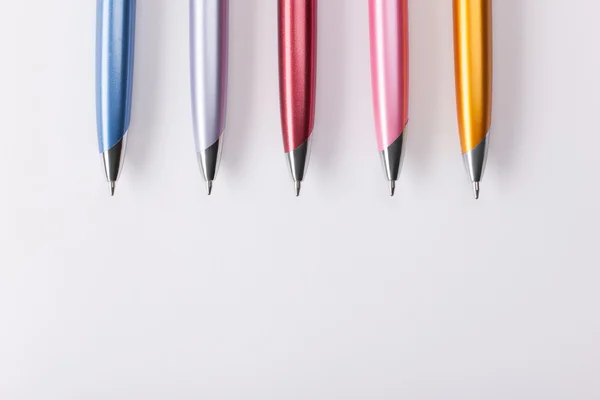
(389, 78)
(389, 68)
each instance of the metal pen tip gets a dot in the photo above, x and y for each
(112, 185)
(209, 187)
(476, 190)
(298, 185)
(392, 188)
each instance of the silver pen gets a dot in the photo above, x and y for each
(208, 64)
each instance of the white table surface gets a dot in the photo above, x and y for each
(345, 293)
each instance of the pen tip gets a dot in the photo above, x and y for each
(476, 190)
(209, 187)
(392, 188)
(298, 185)
(112, 185)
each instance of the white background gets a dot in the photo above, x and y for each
(344, 293)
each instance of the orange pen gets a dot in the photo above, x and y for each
(473, 73)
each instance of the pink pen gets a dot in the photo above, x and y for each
(389, 78)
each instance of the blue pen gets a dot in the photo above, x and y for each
(115, 32)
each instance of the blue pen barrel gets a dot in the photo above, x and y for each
(115, 36)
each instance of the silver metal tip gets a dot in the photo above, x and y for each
(209, 187)
(476, 190)
(392, 188)
(298, 185)
(112, 185)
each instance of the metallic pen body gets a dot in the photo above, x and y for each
(115, 36)
(473, 73)
(389, 75)
(297, 33)
(208, 65)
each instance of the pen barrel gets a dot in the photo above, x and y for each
(389, 68)
(473, 70)
(297, 27)
(208, 63)
(115, 36)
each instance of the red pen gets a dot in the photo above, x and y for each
(297, 27)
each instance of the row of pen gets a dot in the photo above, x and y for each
(297, 42)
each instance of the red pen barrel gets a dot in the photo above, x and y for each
(297, 29)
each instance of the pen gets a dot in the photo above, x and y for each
(115, 31)
(208, 65)
(389, 80)
(297, 25)
(473, 71)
